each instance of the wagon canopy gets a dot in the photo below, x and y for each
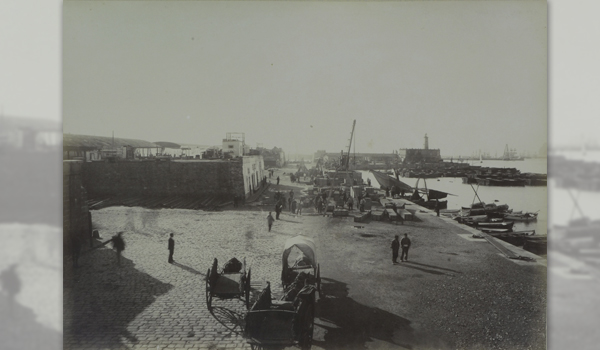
(302, 243)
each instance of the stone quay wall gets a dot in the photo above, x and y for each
(164, 178)
(76, 216)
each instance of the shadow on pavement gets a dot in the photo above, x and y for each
(188, 269)
(103, 298)
(350, 325)
(231, 320)
(294, 222)
(433, 272)
(433, 266)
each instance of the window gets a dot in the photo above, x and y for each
(231, 146)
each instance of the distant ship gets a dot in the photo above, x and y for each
(511, 154)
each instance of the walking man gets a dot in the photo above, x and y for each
(300, 205)
(405, 243)
(171, 248)
(270, 221)
(395, 248)
(118, 245)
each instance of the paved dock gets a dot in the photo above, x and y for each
(454, 292)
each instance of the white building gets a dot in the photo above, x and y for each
(234, 143)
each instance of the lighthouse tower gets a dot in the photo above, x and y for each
(426, 142)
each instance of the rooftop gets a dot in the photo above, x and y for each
(100, 142)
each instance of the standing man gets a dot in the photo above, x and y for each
(119, 245)
(270, 221)
(350, 203)
(278, 209)
(293, 206)
(437, 207)
(278, 180)
(171, 248)
(405, 243)
(395, 248)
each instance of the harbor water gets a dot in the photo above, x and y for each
(527, 199)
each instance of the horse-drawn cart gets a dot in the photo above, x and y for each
(280, 323)
(288, 321)
(299, 255)
(232, 281)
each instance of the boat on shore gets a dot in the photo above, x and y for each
(493, 231)
(499, 225)
(515, 238)
(520, 216)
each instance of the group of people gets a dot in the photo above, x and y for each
(396, 245)
(348, 201)
(294, 205)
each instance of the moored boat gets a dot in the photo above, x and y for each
(526, 217)
(503, 224)
(493, 231)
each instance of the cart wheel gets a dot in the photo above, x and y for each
(247, 288)
(208, 293)
(319, 279)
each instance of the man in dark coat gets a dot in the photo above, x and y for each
(119, 245)
(395, 248)
(277, 180)
(270, 221)
(405, 243)
(171, 248)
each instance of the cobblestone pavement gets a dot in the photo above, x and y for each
(455, 292)
(148, 303)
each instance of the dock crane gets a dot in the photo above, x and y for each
(346, 159)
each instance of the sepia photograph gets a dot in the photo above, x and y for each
(325, 175)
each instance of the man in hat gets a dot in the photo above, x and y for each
(171, 248)
(405, 243)
(395, 248)
(270, 221)
(119, 245)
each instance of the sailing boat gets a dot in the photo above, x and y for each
(480, 158)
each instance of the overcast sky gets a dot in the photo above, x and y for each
(472, 75)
